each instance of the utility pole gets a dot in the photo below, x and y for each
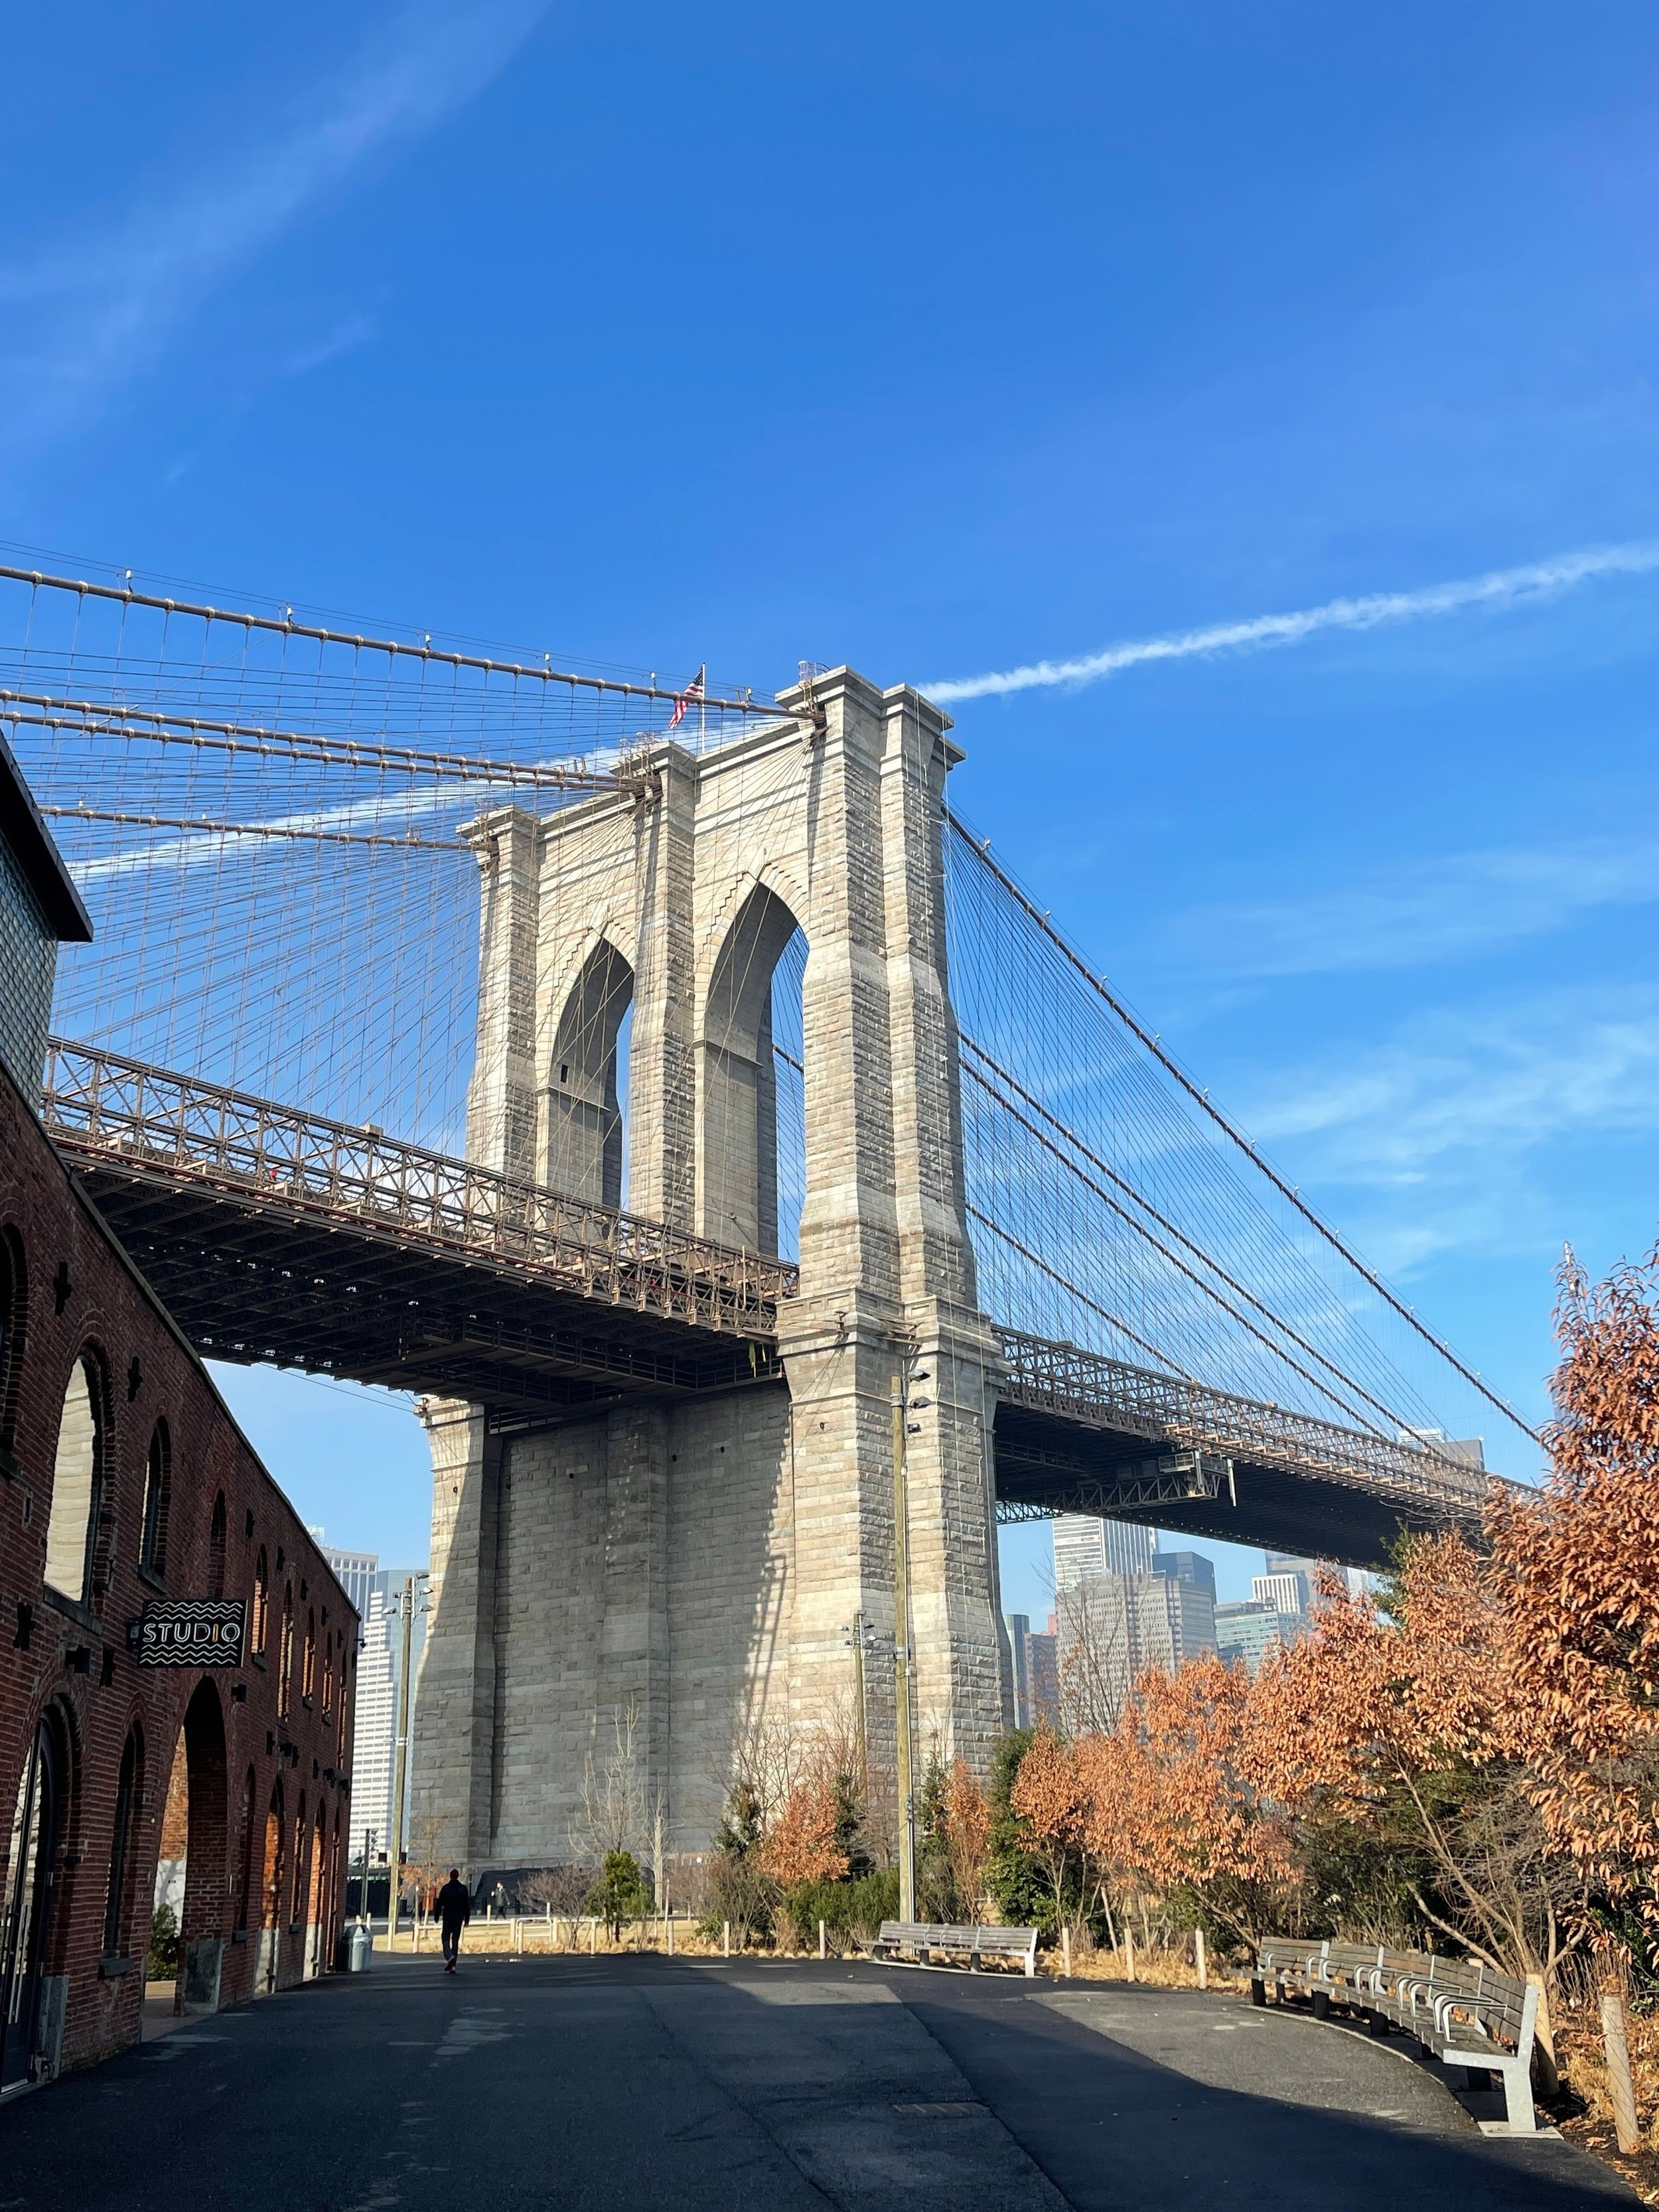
(855, 1636)
(363, 1894)
(901, 1661)
(400, 1762)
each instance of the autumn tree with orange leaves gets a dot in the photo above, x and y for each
(804, 1841)
(1407, 1729)
(1192, 1818)
(1475, 1757)
(1578, 1569)
(1050, 1796)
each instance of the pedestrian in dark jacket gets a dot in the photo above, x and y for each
(454, 1911)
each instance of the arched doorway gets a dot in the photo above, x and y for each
(37, 1825)
(191, 1865)
(271, 1897)
(762, 960)
(317, 1898)
(587, 1083)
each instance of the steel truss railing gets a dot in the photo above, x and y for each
(110, 1108)
(1085, 1387)
(114, 1110)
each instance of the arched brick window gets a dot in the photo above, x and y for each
(308, 1664)
(217, 1549)
(328, 1674)
(297, 1892)
(285, 1657)
(14, 1317)
(158, 1496)
(128, 1793)
(244, 1889)
(78, 1479)
(259, 1626)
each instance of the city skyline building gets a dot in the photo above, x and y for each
(1036, 1670)
(1113, 1626)
(374, 1590)
(1085, 1544)
(1247, 1631)
(1194, 1567)
(1287, 1589)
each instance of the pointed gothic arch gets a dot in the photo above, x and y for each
(584, 1135)
(737, 1078)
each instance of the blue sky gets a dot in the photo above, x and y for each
(944, 343)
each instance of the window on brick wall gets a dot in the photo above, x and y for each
(259, 1626)
(245, 1888)
(217, 1549)
(117, 1903)
(328, 1673)
(285, 1657)
(14, 1313)
(158, 1496)
(78, 1479)
(308, 1665)
(297, 1889)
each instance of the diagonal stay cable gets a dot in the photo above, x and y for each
(1277, 1351)
(1228, 1129)
(1054, 1274)
(1168, 1226)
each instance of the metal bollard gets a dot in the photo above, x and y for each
(726, 1939)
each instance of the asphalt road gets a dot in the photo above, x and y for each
(649, 2085)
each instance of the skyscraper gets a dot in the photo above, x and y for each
(375, 1591)
(1033, 1655)
(1113, 1626)
(1287, 1589)
(1085, 1544)
(355, 1570)
(1246, 1633)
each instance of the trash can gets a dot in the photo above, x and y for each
(359, 1948)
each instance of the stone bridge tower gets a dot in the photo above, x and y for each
(695, 1563)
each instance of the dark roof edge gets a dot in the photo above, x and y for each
(26, 834)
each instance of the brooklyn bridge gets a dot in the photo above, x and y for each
(671, 1087)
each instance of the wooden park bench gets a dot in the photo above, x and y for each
(1466, 2014)
(924, 1938)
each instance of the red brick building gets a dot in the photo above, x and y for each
(126, 1487)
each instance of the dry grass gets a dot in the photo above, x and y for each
(1582, 2058)
(533, 1936)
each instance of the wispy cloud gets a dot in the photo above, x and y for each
(1499, 588)
(1426, 910)
(1446, 1122)
(350, 331)
(98, 305)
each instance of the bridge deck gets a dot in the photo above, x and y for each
(280, 1237)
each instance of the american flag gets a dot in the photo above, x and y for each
(694, 689)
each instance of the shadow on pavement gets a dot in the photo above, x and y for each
(646, 2085)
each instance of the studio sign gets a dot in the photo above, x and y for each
(192, 1632)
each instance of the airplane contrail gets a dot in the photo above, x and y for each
(1500, 587)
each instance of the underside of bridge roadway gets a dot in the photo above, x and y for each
(252, 1284)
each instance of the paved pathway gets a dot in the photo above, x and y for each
(645, 2085)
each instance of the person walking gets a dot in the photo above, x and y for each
(454, 1911)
